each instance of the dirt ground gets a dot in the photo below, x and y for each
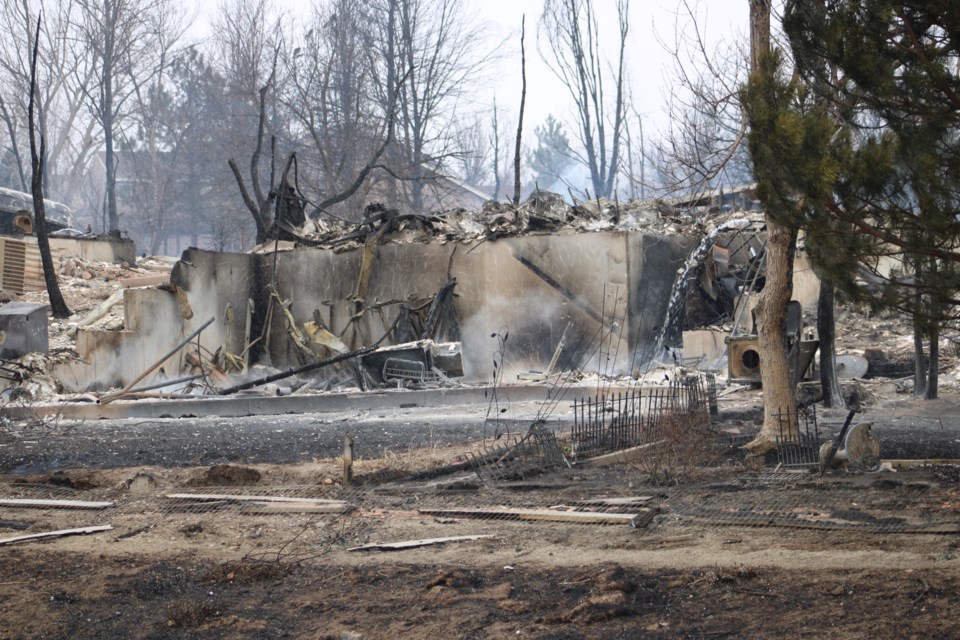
(725, 547)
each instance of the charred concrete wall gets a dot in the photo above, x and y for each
(217, 285)
(612, 287)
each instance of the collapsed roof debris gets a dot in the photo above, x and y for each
(543, 211)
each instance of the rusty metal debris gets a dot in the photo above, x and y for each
(798, 439)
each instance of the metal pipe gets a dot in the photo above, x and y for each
(305, 368)
(110, 397)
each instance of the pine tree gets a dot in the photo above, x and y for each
(888, 73)
(551, 157)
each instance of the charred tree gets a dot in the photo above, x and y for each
(58, 305)
(259, 203)
(523, 101)
(827, 332)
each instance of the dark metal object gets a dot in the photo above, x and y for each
(305, 368)
(796, 446)
(23, 329)
(519, 457)
(836, 445)
(441, 313)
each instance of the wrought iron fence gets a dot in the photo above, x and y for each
(606, 423)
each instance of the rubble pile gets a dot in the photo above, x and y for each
(85, 285)
(543, 212)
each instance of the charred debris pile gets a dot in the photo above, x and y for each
(542, 212)
(421, 347)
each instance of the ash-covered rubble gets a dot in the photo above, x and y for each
(542, 212)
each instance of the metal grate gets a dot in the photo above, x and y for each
(14, 257)
(400, 369)
(798, 440)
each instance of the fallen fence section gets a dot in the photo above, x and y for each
(517, 458)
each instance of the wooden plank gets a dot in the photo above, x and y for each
(412, 544)
(294, 507)
(144, 281)
(617, 457)
(910, 464)
(57, 534)
(546, 515)
(748, 519)
(52, 504)
(617, 502)
(203, 497)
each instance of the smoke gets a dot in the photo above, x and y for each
(532, 323)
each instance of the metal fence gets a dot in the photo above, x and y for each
(606, 423)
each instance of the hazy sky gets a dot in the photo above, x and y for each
(653, 24)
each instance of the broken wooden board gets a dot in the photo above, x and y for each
(294, 507)
(204, 497)
(144, 281)
(28, 503)
(635, 520)
(618, 457)
(616, 502)
(412, 544)
(910, 464)
(57, 534)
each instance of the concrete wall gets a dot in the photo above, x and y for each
(95, 249)
(154, 325)
(217, 285)
(613, 287)
(527, 286)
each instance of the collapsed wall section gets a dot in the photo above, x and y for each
(610, 287)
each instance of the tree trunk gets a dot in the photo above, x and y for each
(759, 31)
(933, 375)
(779, 394)
(58, 306)
(826, 331)
(920, 371)
(14, 147)
(523, 102)
(106, 117)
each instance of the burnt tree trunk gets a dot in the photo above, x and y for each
(933, 374)
(523, 101)
(827, 332)
(919, 365)
(58, 306)
(920, 371)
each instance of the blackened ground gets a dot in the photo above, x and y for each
(53, 595)
(206, 441)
